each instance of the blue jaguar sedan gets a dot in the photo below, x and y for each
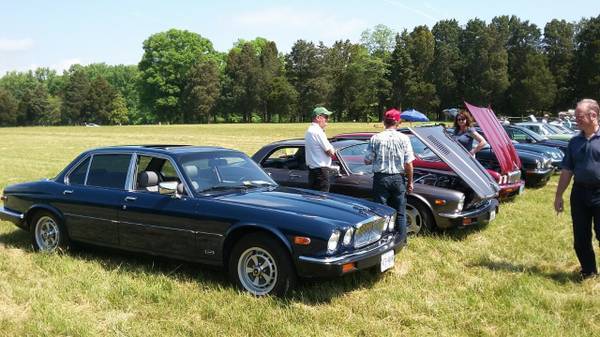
(204, 204)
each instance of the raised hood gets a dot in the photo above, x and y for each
(461, 162)
(498, 139)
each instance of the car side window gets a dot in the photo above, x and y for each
(291, 158)
(109, 170)
(150, 171)
(77, 176)
(354, 157)
(519, 136)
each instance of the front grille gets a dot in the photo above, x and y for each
(368, 232)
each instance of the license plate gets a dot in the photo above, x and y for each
(492, 215)
(387, 260)
(521, 188)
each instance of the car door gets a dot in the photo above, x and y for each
(162, 224)
(92, 198)
(356, 177)
(287, 166)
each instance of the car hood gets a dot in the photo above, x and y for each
(310, 203)
(550, 151)
(461, 162)
(497, 137)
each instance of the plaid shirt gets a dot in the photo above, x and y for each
(389, 150)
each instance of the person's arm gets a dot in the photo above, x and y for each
(408, 171)
(370, 156)
(325, 144)
(563, 183)
(409, 157)
(481, 142)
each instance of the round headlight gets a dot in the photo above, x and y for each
(538, 164)
(348, 236)
(333, 241)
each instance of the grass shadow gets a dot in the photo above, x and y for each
(558, 276)
(457, 233)
(308, 291)
(17, 239)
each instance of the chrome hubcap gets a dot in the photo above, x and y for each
(414, 220)
(47, 234)
(257, 271)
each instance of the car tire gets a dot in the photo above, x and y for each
(419, 220)
(48, 233)
(261, 266)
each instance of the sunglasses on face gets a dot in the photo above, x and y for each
(461, 119)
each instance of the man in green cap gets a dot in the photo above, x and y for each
(318, 151)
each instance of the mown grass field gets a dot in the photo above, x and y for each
(514, 277)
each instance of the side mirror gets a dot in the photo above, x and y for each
(168, 188)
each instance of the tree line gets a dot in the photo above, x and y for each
(508, 63)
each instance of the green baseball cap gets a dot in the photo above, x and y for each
(318, 111)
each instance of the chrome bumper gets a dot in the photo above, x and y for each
(11, 216)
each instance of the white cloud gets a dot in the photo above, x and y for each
(15, 44)
(285, 18)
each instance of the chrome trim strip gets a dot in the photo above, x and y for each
(168, 228)
(11, 213)
(333, 259)
(373, 218)
(130, 173)
(139, 224)
(467, 213)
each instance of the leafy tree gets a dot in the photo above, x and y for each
(119, 114)
(535, 87)
(75, 97)
(422, 93)
(8, 108)
(447, 66)
(559, 45)
(201, 91)
(588, 59)
(282, 99)
(51, 115)
(401, 71)
(379, 41)
(167, 59)
(33, 105)
(486, 64)
(304, 69)
(99, 102)
(243, 68)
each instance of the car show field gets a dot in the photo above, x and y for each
(514, 276)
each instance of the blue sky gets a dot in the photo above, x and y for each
(58, 33)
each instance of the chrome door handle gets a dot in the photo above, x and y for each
(130, 198)
(294, 176)
(65, 192)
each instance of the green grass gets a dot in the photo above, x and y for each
(514, 277)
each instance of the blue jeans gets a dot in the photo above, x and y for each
(390, 189)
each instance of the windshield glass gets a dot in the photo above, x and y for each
(223, 170)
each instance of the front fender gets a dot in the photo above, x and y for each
(238, 230)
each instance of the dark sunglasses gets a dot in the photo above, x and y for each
(461, 119)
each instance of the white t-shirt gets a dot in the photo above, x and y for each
(316, 144)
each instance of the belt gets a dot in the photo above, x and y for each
(388, 174)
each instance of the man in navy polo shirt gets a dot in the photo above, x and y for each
(582, 161)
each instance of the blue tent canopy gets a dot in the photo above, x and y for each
(413, 115)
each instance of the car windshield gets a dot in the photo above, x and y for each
(551, 130)
(223, 170)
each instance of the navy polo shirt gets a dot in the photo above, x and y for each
(583, 158)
